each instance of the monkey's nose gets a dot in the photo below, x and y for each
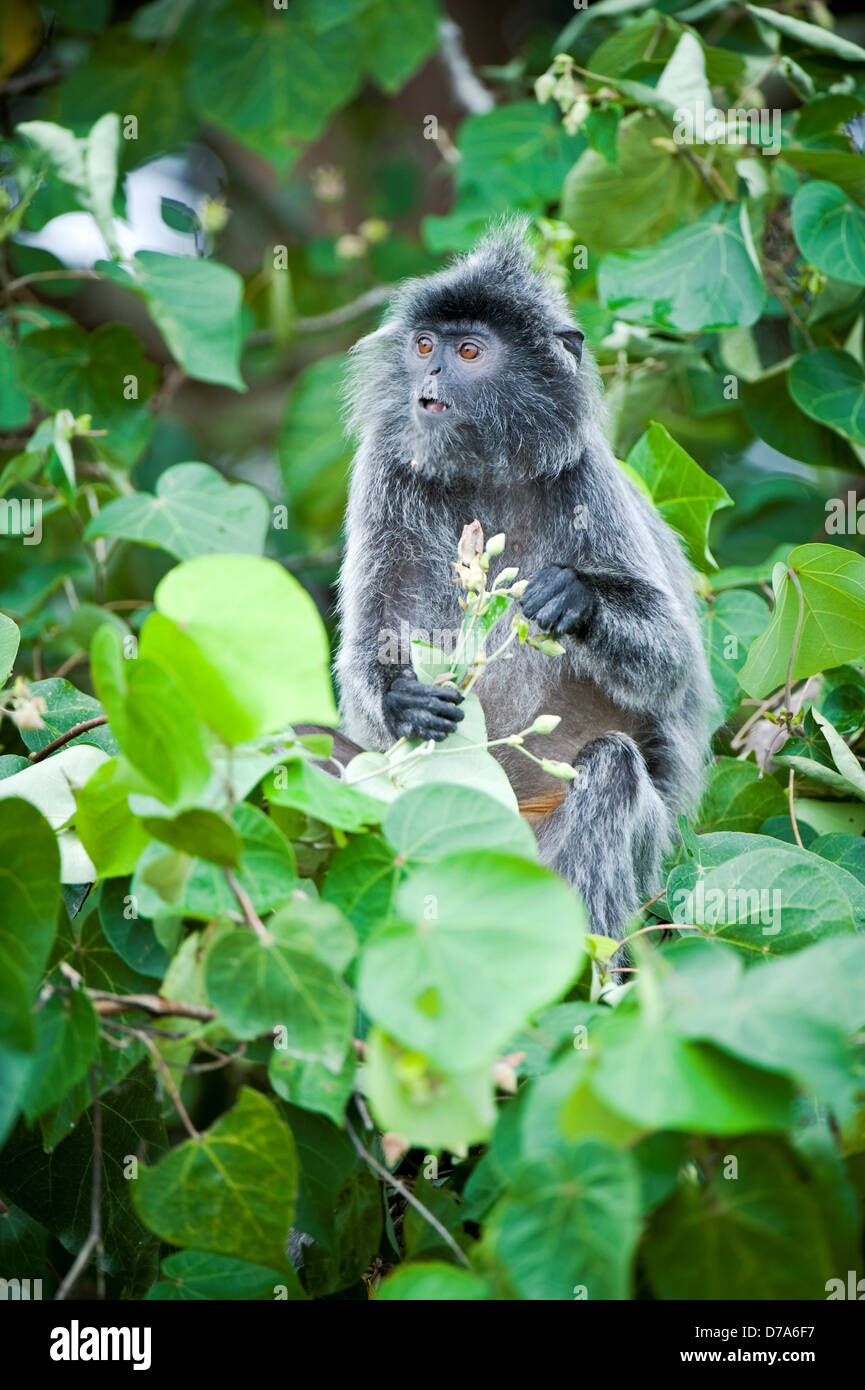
(435, 371)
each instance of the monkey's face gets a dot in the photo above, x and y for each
(448, 369)
(454, 371)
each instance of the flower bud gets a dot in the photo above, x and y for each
(507, 575)
(563, 771)
(496, 544)
(545, 723)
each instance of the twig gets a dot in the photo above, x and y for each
(407, 1195)
(250, 916)
(37, 275)
(790, 782)
(319, 323)
(68, 736)
(107, 1005)
(465, 84)
(167, 1078)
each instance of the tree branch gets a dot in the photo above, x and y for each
(68, 736)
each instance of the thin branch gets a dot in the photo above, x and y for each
(107, 1005)
(68, 736)
(167, 1078)
(250, 916)
(790, 783)
(407, 1196)
(36, 275)
(319, 323)
(466, 86)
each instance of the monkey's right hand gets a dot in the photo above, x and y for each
(412, 710)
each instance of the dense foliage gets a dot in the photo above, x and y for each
(240, 995)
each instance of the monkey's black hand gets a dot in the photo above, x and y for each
(412, 710)
(558, 601)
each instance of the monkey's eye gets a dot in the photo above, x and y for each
(469, 351)
(424, 345)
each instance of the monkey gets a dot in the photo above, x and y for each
(477, 399)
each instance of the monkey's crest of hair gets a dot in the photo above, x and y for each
(529, 420)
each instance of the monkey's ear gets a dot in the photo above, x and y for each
(572, 338)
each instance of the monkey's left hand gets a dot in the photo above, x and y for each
(558, 601)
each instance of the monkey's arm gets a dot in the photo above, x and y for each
(381, 699)
(628, 634)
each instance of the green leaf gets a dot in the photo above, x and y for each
(570, 1224)
(88, 165)
(398, 36)
(217, 616)
(10, 637)
(231, 1191)
(432, 1282)
(190, 1275)
(260, 986)
(56, 1188)
(201, 834)
(196, 306)
(638, 202)
(759, 1234)
(482, 944)
(130, 935)
(272, 81)
(429, 1107)
(361, 881)
(65, 706)
(113, 838)
(313, 791)
(314, 453)
(151, 719)
(763, 894)
(194, 512)
(703, 277)
(730, 624)
(103, 374)
(50, 786)
(830, 230)
(167, 881)
(427, 823)
(683, 493)
(67, 1039)
(29, 874)
(813, 36)
(829, 385)
(457, 759)
(661, 1080)
(832, 582)
(312, 1085)
(739, 798)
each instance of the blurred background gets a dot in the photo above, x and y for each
(327, 150)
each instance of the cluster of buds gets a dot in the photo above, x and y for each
(353, 245)
(560, 83)
(24, 708)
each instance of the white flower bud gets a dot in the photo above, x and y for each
(545, 723)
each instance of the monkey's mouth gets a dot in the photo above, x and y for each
(433, 406)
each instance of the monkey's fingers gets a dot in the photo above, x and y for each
(549, 584)
(430, 697)
(549, 617)
(427, 725)
(571, 621)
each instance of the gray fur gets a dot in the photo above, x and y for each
(530, 459)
